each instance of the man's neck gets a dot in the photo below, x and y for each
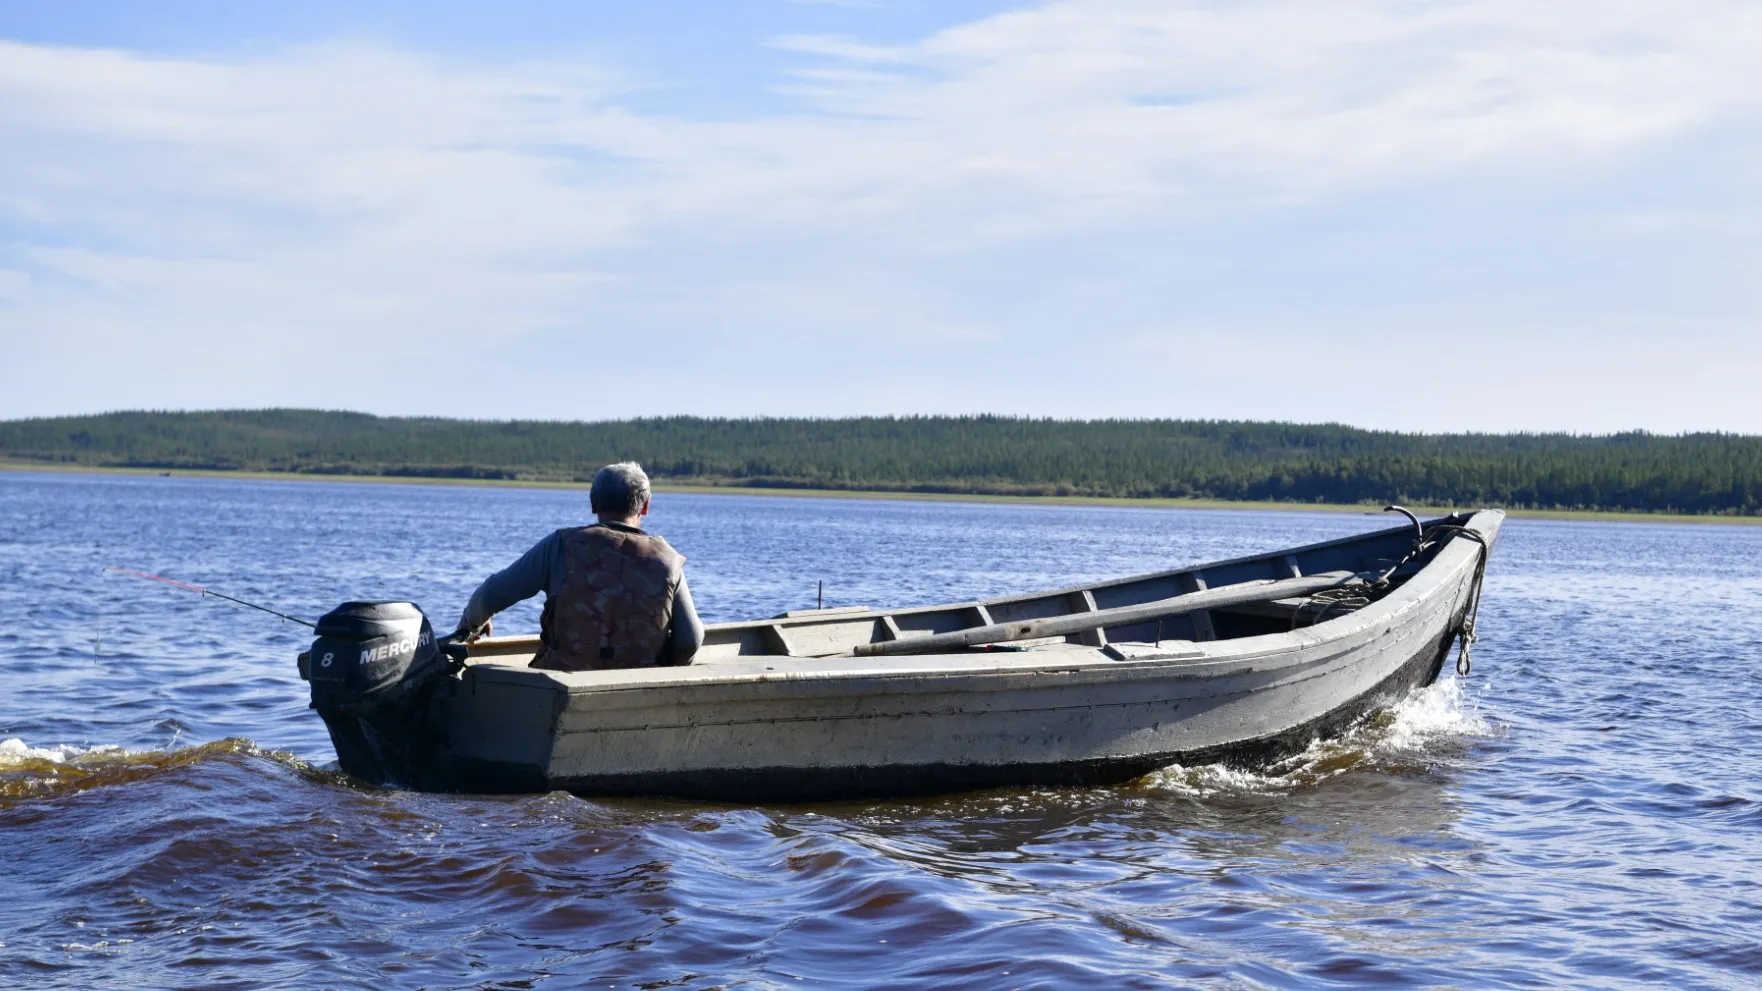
(633, 522)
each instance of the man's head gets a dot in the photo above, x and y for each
(620, 492)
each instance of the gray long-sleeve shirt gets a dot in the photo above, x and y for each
(541, 570)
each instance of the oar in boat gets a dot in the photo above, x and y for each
(1261, 590)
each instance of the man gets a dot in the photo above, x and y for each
(615, 596)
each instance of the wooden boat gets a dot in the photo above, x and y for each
(1239, 660)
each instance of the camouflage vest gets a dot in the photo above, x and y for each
(616, 602)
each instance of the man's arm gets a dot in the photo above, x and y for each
(517, 582)
(687, 634)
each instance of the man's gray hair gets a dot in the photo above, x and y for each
(620, 489)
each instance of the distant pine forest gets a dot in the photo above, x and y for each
(991, 455)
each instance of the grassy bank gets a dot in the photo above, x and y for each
(665, 486)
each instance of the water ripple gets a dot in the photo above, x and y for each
(1587, 811)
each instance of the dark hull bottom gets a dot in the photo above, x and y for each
(789, 784)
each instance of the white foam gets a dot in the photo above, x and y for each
(1439, 711)
(1426, 719)
(16, 751)
(1215, 779)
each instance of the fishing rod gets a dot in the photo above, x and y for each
(218, 595)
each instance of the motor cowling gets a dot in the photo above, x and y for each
(374, 669)
(371, 655)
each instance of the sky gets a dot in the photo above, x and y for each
(1426, 215)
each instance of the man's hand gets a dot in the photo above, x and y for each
(472, 636)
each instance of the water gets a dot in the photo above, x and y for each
(1585, 811)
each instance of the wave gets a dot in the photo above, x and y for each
(28, 772)
(1407, 736)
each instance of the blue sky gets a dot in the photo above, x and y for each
(1413, 215)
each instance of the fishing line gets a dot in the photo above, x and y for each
(217, 595)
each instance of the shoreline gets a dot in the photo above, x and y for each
(1569, 515)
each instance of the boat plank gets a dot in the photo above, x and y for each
(1194, 581)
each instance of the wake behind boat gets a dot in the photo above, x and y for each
(1241, 660)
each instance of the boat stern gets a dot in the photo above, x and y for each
(502, 725)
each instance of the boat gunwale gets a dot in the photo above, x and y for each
(855, 614)
(933, 672)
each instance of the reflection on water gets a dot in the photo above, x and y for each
(1584, 812)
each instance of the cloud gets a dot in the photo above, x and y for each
(1129, 168)
(13, 284)
(1095, 98)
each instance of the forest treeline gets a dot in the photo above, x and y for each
(1693, 473)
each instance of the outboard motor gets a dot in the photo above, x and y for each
(375, 671)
